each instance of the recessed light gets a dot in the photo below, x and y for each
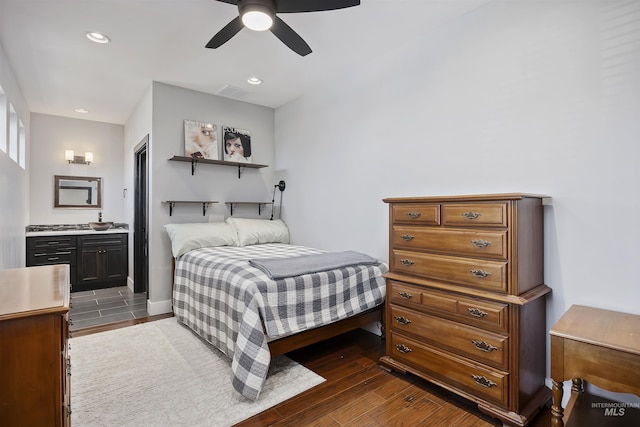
(98, 37)
(81, 110)
(254, 80)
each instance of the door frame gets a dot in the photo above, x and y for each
(141, 217)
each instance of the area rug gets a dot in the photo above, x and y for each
(161, 374)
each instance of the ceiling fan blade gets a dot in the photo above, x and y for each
(289, 37)
(229, 1)
(225, 34)
(295, 6)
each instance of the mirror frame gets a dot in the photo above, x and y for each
(56, 191)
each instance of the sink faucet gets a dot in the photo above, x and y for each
(100, 216)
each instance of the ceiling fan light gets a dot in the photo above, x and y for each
(257, 20)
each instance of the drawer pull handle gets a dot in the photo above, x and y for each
(402, 320)
(484, 346)
(55, 258)
(52, 243)
(406, 295)
(480, 243)
(407, 237)
(413, 215)
(484, 381)
(63, 253)
(479, 274)
(406, 262)
(403, 348)
(476, 312)
(471, 215)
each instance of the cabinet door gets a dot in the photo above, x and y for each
(102, 261)
(113, 262)
(88, 267)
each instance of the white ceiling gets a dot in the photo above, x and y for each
(58, 69)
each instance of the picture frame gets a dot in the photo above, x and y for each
(236, 144)
(201, 140)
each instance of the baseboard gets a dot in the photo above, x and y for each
(160, 307)
(130, 283)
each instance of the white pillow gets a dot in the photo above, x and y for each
(186, 237)
(259, 231)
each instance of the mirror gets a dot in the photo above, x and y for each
(77, 192)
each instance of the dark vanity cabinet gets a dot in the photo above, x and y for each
(102, 261)
(96, 260)
(51, 250)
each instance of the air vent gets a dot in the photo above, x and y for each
(232, 92)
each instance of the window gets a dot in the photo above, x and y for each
(13, 134)
(22, 145)
(3, 121)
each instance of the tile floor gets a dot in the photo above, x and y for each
(102, 306)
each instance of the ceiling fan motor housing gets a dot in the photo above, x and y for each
(265, 6)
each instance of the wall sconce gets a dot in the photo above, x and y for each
(79, 160)
(280, 186)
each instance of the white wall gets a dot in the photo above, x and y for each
(517, 96)
(14, 180)
(50, 136)
(136, 128)
(173, 180)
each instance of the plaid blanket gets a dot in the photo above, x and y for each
(235, 306)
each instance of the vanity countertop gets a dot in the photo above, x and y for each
(66, 229)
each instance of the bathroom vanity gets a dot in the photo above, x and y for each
(97, 259)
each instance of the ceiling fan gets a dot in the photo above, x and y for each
(260, 15)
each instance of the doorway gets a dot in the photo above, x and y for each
(141, 219)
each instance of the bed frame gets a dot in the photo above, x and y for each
(312, 336)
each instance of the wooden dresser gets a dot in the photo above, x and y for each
(465, 305)
(34, 332)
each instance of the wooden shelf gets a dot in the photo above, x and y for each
(230, 204)
(194, 162)
(205, 204)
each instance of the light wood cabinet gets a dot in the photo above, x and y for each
(602, 347)
(465, 304)
(35, 367)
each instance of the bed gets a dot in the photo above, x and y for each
(225, 295)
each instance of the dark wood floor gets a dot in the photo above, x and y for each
(358, 393)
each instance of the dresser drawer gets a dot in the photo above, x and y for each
(475, 214)
(481, 243)
(49, 257)
(51, 242)
(472, 311)
(490, 275)
(425, 214)
(102, 239)
(474, 378)
(483, 346)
